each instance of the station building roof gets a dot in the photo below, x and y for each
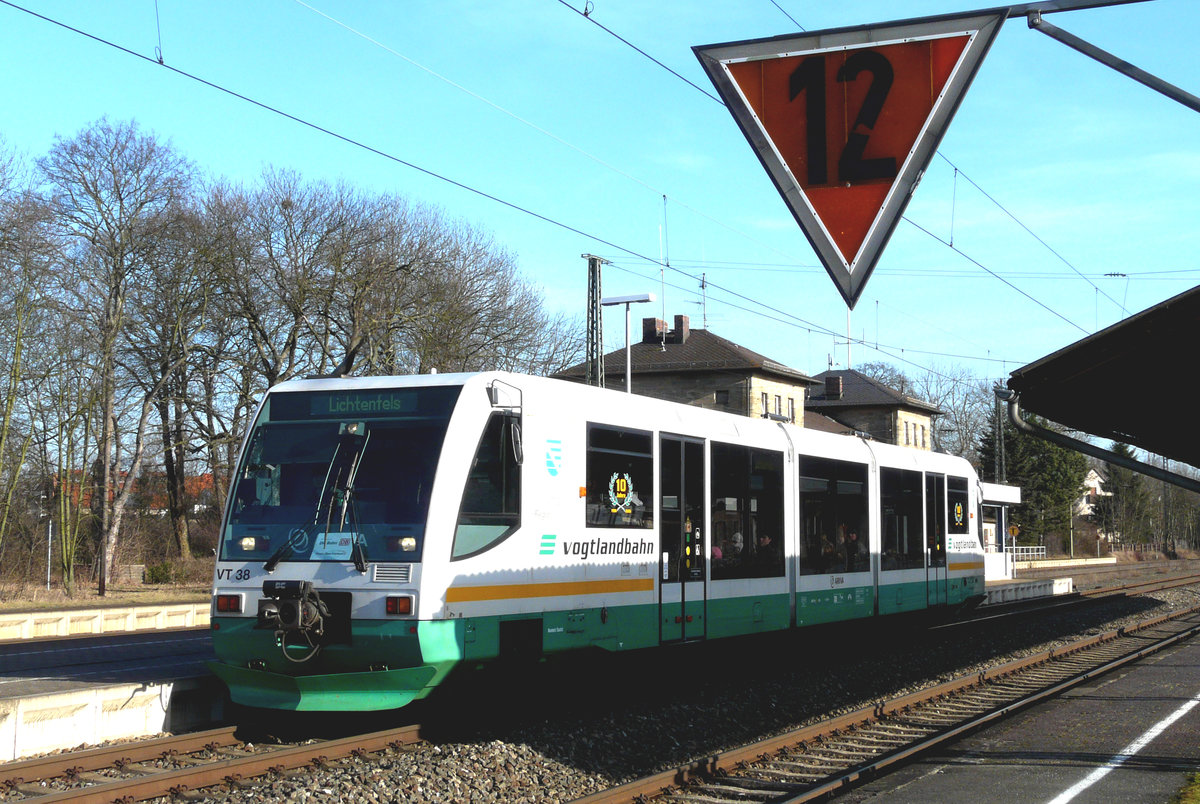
(1131, 382)
(683, 350)
(847, 388)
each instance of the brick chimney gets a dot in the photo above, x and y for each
(681, 331)
(833, 386)
(653, 330)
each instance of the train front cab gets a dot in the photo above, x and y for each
(331, 527)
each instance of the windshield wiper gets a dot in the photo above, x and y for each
(339, 477)
(358, 554)
(283, 552)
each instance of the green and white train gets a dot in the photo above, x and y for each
(381, 531)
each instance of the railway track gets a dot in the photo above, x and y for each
(1093, 576)
(866, 741)
(1144, 587)
(813, 762)
(175, 766)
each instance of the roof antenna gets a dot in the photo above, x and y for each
(663, 265)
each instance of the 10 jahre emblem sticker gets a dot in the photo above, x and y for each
(620, 493)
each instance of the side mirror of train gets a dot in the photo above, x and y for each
(503, 395)
(514, 438)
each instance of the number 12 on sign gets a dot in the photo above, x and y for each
(808, 79)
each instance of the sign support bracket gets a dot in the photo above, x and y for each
(1104, 57)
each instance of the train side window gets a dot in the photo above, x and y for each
(833, 515)
(491, 504)
(746, 526)
(957, 505)
(620, 478)
(901, 507)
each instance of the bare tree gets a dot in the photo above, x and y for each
(966, 404)
(480, 314)
(166, 312)
(114, 191)
(25, 256)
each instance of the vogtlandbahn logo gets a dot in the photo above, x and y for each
(604, 547)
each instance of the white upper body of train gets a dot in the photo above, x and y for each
(380, 530)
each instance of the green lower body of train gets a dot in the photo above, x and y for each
(386, 664)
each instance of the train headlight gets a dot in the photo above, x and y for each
(408, 544)
(248, 544)
(399, 605)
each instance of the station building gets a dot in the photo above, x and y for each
(698, 367)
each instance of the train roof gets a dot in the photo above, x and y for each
(720, 422)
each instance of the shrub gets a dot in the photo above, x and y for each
(160, 573)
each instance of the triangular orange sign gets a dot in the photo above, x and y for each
(846, 120)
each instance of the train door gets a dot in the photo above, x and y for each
(935, 539)
(683, 530)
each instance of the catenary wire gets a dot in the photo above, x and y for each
(791, 319)
(587, 16)
(433, 174)
(331, 133)
(543, 131)
(1030, 232)
(789, 16)
(965, 176)
(974, 261)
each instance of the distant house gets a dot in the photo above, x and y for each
(699, 368)
(868, 406)
(1093, 490)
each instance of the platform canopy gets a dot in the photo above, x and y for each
(1134, 382)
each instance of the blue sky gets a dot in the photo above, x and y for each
(533, 104)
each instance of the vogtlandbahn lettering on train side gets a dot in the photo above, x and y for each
(599, 547)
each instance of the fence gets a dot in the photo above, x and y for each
(1022, 553)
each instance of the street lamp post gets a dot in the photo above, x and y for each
(637, 298)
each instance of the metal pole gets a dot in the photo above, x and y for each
(611, 301)
(1109, 60)
(49, 541)
(628, 366)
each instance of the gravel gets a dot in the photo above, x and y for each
(563, 729)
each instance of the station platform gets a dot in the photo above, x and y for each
(89, 714)
(45, 624)
(70, 678)
(1008, 590)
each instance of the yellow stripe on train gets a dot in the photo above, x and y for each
(464, 594)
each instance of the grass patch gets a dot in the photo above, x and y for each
(1190, 794)
(29, 597)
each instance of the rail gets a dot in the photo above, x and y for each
(153, 767)
(813, 762)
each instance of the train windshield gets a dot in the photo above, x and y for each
(338, 476)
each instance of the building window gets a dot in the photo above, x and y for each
(721, 398)
(907, 439)
(923, 436)
(778, 405)
(791, 410)
(765, 404)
